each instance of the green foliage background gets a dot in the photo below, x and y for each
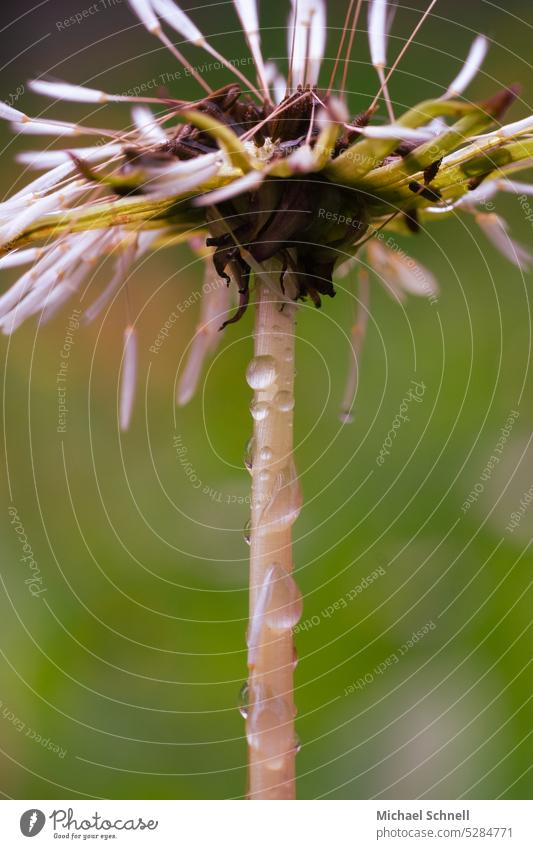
(133, 658)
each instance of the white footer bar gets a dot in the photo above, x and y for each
(259, 825)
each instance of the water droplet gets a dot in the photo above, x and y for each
(285, 502)
(284, 401)
(249, 454)
(247, 532)
(261, 372)
(243, 700)
(266, 454)
(297, 744)
(270, 730)
(346, 417)
(265, 476)
(260, 410)
(257, 619)
(285, 603)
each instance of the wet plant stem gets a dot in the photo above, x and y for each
(275, 602)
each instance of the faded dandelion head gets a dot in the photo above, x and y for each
(270, 177)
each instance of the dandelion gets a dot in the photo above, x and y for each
(240, 173)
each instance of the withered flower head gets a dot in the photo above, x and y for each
(272, 172)
(277, 186)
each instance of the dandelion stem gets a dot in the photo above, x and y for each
(275, 602)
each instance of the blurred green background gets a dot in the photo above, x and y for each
(131, 662)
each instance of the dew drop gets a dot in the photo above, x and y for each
(243, 700)
(266, 454)
(255, 626)
(284, 401)
(285, 502)
(249, 454)
(260, 410)
(297, 744)
(247, 532)
(285, 603)
(265, 476)
(346, 417)
(261, 372)
(270, 731)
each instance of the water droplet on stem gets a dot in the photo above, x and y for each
(269, 730)
(243, 700)
(249, 454)
(260, 410)
(261, 372)
(285, 502)
(285, 604)
(284, 401)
